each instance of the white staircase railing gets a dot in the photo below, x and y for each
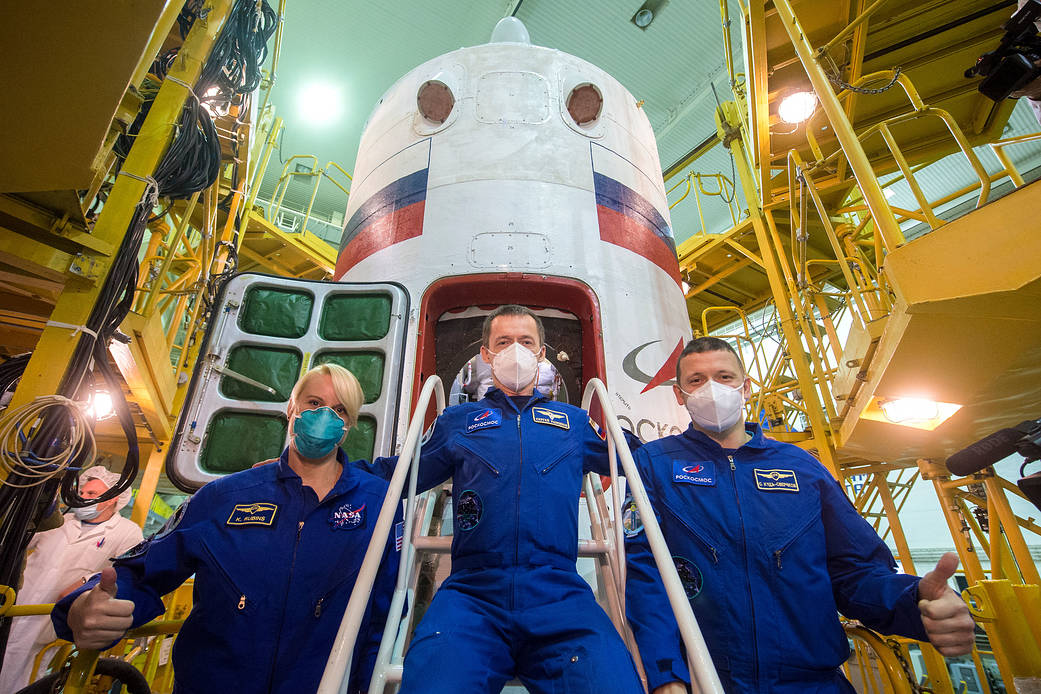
(606, 546)
(338, 668)
(703, 674)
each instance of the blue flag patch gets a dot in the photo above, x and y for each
(776, 480)
(701, 473)
(483, 419)
(544, 415)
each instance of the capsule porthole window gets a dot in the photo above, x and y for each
(584, 104)
(435, 101)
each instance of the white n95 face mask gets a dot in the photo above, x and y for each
(716, 407)
(515, 366)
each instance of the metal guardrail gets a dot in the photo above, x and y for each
(703, 674)
(334, 680)
(338, 667)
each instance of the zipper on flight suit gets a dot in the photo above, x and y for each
(806, 526)
(520, 477)
(697, 536)
(748, 582)
(241, 605)
(285, 600)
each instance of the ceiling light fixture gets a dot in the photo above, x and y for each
(797, 107)
(916, 413)
(320, 103)
(906, 409)
(648, 12)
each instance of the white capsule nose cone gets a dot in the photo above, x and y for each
(510, 30)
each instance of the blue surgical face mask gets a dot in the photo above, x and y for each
(317, 432)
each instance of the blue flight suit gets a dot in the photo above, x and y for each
(274, 568)
(769, 550)
(514, 604)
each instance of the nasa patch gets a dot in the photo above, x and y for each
(257, 513)
(346, 517)
(776, 480)
(690, 577)
(483, 419)
(469, 509)
(631, 523)
(701, 473)
(544, 415)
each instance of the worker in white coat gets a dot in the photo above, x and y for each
(58, 562)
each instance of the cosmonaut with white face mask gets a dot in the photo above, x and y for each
(769, 550)
(514, 605)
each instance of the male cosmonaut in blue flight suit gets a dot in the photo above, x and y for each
(275, 551)
(769, 550)
(514, 605)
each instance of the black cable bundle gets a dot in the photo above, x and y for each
(240, 50)
(191, 164)
(11, 370)
(187, 16)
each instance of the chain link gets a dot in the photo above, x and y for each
(833, 76)
(906, 666)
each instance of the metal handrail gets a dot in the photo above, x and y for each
(703, 674)
(998, 147)
(338, 667)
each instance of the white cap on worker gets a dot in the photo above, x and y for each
(100, 472)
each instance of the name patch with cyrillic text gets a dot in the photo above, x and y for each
(776, 480)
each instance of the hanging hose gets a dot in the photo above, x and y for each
(124, 673)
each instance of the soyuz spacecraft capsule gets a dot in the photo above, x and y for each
(500, 174)
(514, 173)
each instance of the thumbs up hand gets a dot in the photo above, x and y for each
(97, 618)
(944, 614)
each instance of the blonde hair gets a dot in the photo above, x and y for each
(346, 386)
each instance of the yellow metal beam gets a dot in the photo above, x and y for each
(728, 126)
(41, 377)
(881, 213)
(149, 482)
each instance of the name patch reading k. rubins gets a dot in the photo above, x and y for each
(776, 480)
(544, 415)
(258, 513)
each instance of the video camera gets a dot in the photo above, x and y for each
(1011, 65)
(1024, 438)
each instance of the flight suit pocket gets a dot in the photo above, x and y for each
(572, 671)
(797, 571)
(788, 541)
(232, 595)
(549, 463)
(477, 455)
(558, 481)
(703, 542)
